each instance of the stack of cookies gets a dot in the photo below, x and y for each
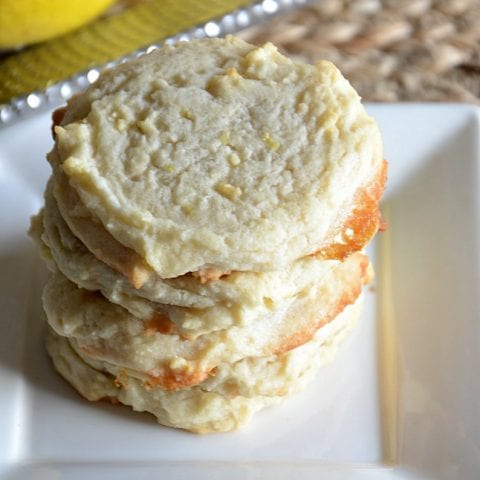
(204, 226)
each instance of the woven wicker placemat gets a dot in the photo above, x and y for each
(390, 50)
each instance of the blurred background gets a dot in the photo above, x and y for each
(390, 50)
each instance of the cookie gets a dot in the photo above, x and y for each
(194, 307)
(216, 155)
(223, 402)
(108, 332)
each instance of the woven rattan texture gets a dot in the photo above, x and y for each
(390, 50)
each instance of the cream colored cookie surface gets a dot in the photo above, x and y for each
(110, 333)
(273, 375)
(195, 308)
(221, 403)
(195, 410)
(217, 154)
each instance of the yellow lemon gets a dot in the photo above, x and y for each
(28, 21)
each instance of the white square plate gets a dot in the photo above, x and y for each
(401, 400)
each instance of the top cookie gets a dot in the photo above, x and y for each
(216, 154)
